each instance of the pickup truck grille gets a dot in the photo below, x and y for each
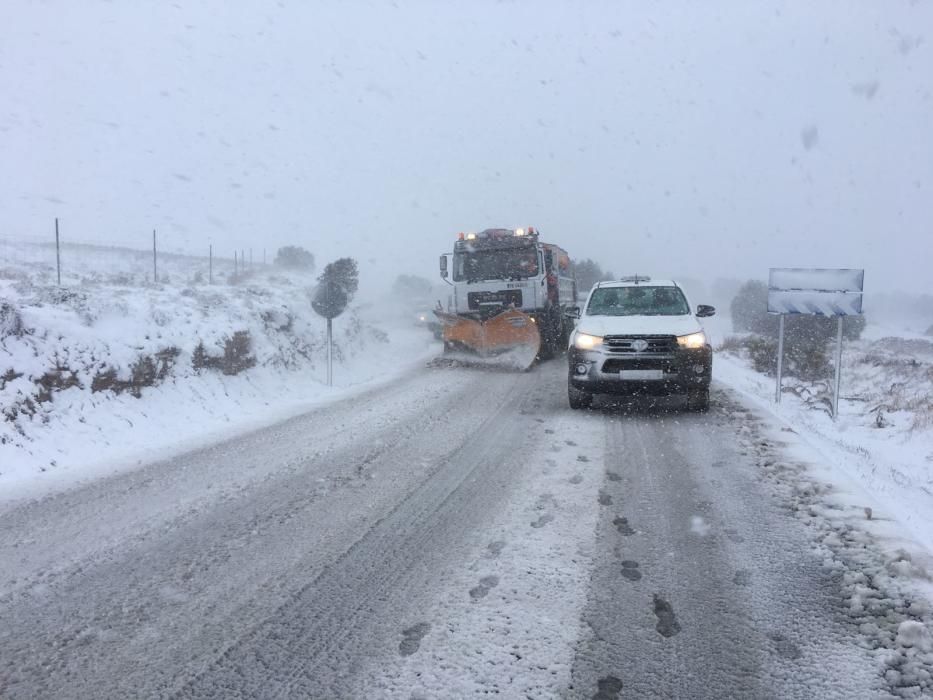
(649, 345)
(614, 365)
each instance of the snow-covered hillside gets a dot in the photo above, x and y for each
(111, 367)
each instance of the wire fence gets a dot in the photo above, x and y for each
(58, 259)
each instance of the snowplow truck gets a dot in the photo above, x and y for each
(512, 299)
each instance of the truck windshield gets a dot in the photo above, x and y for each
(500, 264)
(637, 301)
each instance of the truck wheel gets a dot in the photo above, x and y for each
(550, 336)
(698, 400)
(578, 398)
(566, 330)
(559, 338)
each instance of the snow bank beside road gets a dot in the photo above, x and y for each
(882, 443)
(864, 490)
(106, 374)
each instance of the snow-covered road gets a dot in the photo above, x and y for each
(454, 533)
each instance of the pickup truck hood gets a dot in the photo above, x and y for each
(639, 325)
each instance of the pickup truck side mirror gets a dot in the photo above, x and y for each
(574, 312)
(703, 311)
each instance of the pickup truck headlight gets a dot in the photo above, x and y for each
(584, 341)
(694, 340)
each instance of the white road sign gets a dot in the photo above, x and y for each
(815, 291)
(818, 279)
(818, 292)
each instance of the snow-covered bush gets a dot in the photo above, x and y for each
(236, 356)
(11, 323)
(147, 370)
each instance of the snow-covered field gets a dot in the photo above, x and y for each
(102, 373)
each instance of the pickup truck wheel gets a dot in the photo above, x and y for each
(578, 398)
(698, 400)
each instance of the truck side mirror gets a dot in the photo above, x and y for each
(549, 260)
(704, 311)
(444, 267)
(574, 312)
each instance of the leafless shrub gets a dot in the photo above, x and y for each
(763, 353)
(9, 376)
(165, 359)
(25, 407)
(57, 379)
(278, 319)
(731, 343)
(106, 380)
(148, 370)
(808, 362)
(160, 317)
(202, 359)
(121, 279)
(11, 273)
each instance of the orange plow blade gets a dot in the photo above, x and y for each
(511, 338)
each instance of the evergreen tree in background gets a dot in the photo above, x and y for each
(345, 273)
(295, 257)
(588, 272)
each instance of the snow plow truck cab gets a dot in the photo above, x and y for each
(512, 299)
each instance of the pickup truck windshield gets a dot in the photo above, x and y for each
(637, 301)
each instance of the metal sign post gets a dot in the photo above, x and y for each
(329, 300)
(780, 360)
(815, 292)
(838, 368)
(330, 352)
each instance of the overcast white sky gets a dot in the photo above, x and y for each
(710, 139)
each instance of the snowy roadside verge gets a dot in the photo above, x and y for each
(890, 471)
(102, 377)
(869, 527)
